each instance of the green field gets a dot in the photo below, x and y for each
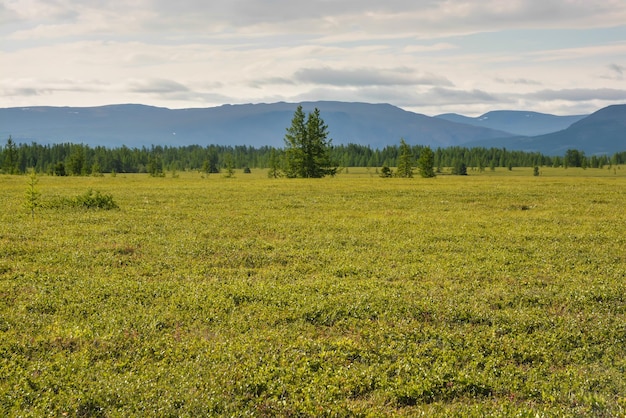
(493, 294)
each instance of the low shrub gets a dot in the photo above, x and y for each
(89, 200)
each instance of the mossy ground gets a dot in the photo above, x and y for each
(499, 293)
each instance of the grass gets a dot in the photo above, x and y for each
(497, 294)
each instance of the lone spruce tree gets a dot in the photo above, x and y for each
(405, 160)
(426, 163)
(308, 147)
(32, 194)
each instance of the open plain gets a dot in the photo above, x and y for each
(499, 293)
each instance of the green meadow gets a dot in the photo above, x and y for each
(493, 294)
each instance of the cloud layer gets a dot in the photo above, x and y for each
(429, 56)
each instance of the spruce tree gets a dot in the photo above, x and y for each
(229, 165)
(426, 163)
(405, 160)
(32, 194)
(308, 147)
(274, 165)
(318, 163)
(77, 162)
(295, 140)
(459, 168)
(11, 157)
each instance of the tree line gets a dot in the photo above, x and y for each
(81, 159)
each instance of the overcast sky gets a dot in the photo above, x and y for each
(428, 56)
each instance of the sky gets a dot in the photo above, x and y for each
(554, 56)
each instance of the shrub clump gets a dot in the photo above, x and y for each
(89, 200)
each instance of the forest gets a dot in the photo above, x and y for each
(79, 159)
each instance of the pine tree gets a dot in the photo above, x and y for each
(308, 147)
(295, 140)
(155, 166)
(229, 165)
(426, 163)
(96, 170)
(274, 165)
(10, 165)
(76, 163)
(319, 164)
(405, 160)
(32, 194)
(459, 168)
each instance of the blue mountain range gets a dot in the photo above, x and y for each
(257, 125)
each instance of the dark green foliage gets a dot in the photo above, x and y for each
(459, 168)
(77, 161)
(210, 167)
(59, 169)
(386, 172)
(574, 158)
(155, 166)
(426, 163)
(405, 161)
(71, 159)
(212, 162)
(308, 148)
(96, 170)
(274, 165)
(10, 160)
(95, 200)
(295, 140)
(229, 166)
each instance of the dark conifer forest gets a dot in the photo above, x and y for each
(80, 159)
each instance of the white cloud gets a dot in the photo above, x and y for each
(521, 81)
(581, 94)
(368, 77)
(438, 47)
(410, 53)
(160, 86)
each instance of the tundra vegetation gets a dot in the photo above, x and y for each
(496, 293)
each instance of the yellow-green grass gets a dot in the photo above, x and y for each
(498, 293)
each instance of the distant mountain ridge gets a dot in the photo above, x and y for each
(376, 125)
(257, 125)
(517, 122)
(602, 132)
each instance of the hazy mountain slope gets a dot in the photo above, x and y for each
(257, 125)
(376, 125)
(516, 122)
(603, 132)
